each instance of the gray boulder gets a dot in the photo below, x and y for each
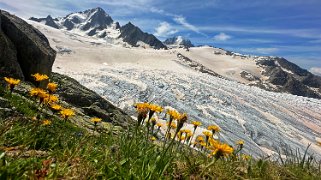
(33, 52)
(8, 58)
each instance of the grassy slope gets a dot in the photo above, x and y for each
(30, 150)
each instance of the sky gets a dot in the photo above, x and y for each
(286, 28)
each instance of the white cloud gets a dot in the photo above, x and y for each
(315, 70)
(222, 37)
(303, 33)
(164, 30)
(182, 21)
(33, 8)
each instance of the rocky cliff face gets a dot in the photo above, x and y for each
(288, 77)
(25, 49)
(133, 35)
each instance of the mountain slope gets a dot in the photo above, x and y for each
(269, 73)
(267, 121)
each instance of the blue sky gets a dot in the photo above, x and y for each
(287, 28)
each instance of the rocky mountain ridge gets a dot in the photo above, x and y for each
(288, 77)
(96, 22)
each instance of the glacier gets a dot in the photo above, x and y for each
(268, 122)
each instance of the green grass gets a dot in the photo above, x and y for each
(30, 150)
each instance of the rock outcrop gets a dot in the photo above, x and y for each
(24, 49)
(90, 102)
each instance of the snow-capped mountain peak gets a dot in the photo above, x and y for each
(97, 23)
(178, 41)
(91, 21)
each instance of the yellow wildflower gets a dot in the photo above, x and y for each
(203, 144)
(95, 120)
(43, 95)
(46, 122)
(52, 87)
(11, 82)
(51, 99)
(173, 114)
(40, 77)
(155, 108)
(213, 142)
(39, 93)
(66, 113)
(153, 138)
(159, 125)
(55, 107)
(207, 134)
(213, 128)
(196, 123)
(240, 142)
(200, 138)
(182, 138)
(222, 150)
(141, 105)
(186, 131)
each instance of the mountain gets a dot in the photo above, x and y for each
(178, 41)
(49, 21)
(134, 36)
(288, 77)
(96, 22)
(93, 22)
